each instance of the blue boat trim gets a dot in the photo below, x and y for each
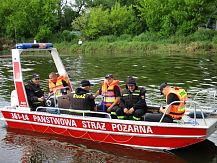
(35, 46)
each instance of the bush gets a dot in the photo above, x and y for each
(203, 35)
(68, 35)
(6, 43)
(193, 46)
(57, 37)
(125, 37)
(108, 38)
(147, 36)
(44, 34)
(178, 39)
(214, 39)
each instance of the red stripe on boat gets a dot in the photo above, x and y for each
(16, 70)
(21, 94)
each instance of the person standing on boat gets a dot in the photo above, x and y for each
(110, 91)
(132, 103)
(34, 93)
(173, 111)
(82, 99)
(57, 82)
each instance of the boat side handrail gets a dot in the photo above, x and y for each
(195, 104)
(207, 92)
(83, 112)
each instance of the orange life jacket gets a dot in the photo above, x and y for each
(67, 81)
(177, 111)
(59, 84)
(108, 92)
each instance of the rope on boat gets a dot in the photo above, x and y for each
(124, 141)
(46, 129)
(98, 140)
(76, 136)
(57, 132)
(35, 129)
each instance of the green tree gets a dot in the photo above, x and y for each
(30, 18)
(67, 17)
(123, 20)
(172, 16)
(127, 2)
(105, 4)
(99, 21)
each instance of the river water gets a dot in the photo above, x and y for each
(192, 72)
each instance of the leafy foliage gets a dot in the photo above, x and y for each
(147, 20)
(175, 17)
(32, 18)
(203, 35)
(98, 22)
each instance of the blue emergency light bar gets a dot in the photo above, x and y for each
(33, 45)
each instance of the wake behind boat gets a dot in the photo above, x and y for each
(99, 126)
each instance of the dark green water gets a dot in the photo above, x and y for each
(192, 72)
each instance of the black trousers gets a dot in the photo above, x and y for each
(156, 117)
(136, 115)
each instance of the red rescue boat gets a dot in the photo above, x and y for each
(138, 134)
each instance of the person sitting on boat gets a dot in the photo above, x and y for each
(133, 104)
(110, 91)
(34, 93)
(174, 111)
(57, 82)
(83, 99)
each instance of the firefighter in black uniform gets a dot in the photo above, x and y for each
(34, 93)
(132, 104)
(82, 99)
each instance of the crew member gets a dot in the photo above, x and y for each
(176, 110)
(34, 93)
(133, 104)
(111, 94)
(57, 82)
(173, 111)
(83, 99)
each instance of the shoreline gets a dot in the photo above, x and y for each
(133, 48)
(141, 48)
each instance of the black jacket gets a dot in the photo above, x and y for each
(135, 99)
(82, 100)
(33, 92)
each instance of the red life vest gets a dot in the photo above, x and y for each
(177, 111)
(108, 92)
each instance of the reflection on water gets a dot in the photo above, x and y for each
(194, 73)
(199, 153)
(33, 147)
(39, 148)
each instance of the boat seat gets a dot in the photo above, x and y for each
(198, 114)
(156, 117)
(63, 102)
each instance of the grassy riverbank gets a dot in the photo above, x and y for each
(202, 41)
(143, 48)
